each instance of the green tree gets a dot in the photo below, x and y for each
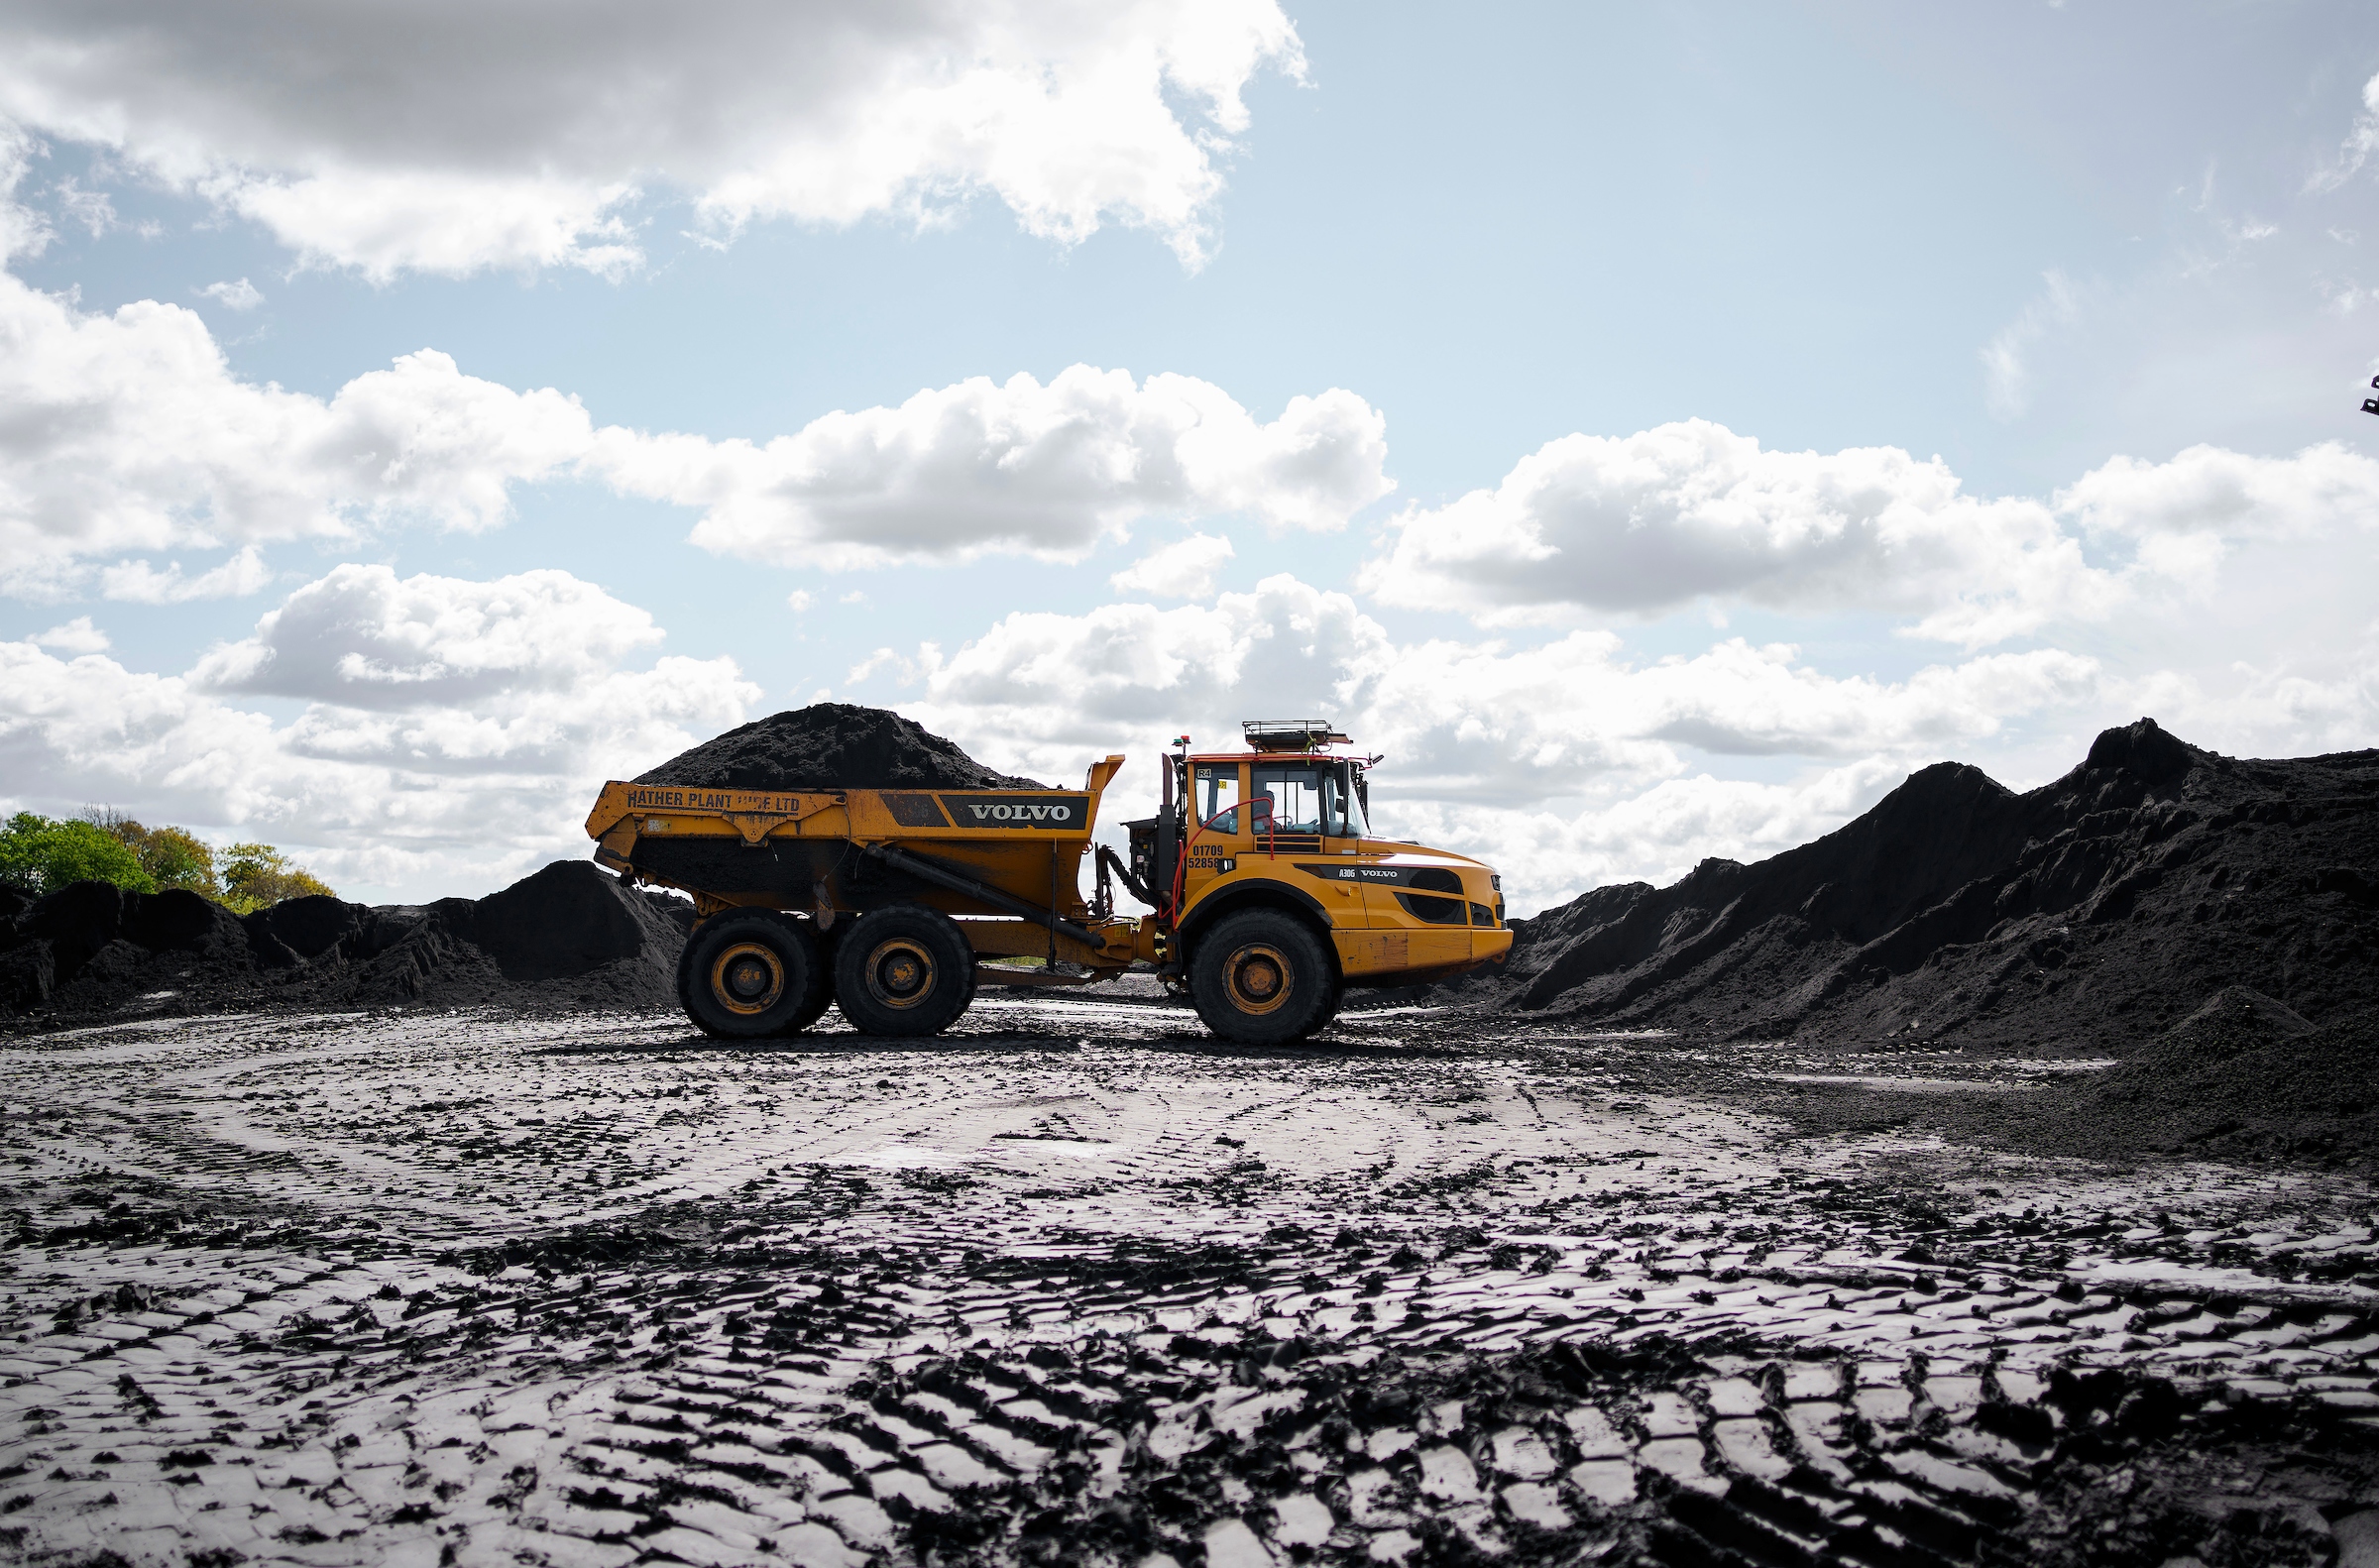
(177, 857)
(256, 875)
(174, 858)
(41, 856)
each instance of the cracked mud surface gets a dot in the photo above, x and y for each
(1076, 1285)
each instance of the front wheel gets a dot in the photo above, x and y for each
(906, 972)
(1262, 978)
(749, 976)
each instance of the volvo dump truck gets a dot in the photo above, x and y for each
(1269, 894)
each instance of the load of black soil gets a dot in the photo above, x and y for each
(2096, 912)
(567, 936)
(827, 746)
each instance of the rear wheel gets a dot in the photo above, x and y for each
(907, 970)
(816, 1008)
(749, 976)
(1260, 979)
(685, 973)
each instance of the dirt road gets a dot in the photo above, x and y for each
(1080, 1284)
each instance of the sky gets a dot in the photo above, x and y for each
(1654, 430)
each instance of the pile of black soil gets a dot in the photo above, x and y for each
(830, 745)
(2099, 910)
(2245, 1074)
(568, 936)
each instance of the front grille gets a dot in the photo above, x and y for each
(1436, 911)
(1288, 842)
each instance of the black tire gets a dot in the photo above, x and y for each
(748, 977)
(1327, 1013)
(816, 1008)
(1260, 978)
(685, 973)
(904, 972)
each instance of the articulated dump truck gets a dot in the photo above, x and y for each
(1271, 896)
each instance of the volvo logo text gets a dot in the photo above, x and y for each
(1022, 813)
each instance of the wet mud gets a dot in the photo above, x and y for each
(828, 746)
(1077, 1284)
(2114, 903)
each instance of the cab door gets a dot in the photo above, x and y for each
(1218, 828)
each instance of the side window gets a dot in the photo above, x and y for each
(1217, 786)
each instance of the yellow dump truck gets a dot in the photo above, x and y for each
(1271, 896)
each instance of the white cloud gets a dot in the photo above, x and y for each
(240, 295)
(2361, 142)
(1647, 523)
(2204, 490)
(142, 584)
(128, 434)
(364, 638)
(22, 231)
(800, 601)
(1183, 569)
(75, 637)
(91, 209)
(1045, 469)
(1650, 522)
(452, 138)
(1483, 741)
(453, 734)
(2007, 358)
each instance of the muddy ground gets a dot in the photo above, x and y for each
(1078, 1285)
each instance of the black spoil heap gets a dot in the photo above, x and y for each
(568, 936)
(830, 745)
(2106, 906)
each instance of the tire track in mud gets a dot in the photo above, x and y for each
(467, 1289)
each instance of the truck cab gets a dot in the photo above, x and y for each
(1278, 896)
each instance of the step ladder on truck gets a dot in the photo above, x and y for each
(1269, 894)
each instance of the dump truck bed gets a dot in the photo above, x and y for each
(1001, 856)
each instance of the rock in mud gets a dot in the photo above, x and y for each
(830, 745)
(2103, 908)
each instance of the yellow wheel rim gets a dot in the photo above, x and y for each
(748, 978)
(901, 973)
(1258, 977)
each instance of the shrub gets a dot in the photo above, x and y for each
(41, 855)
(256, 875)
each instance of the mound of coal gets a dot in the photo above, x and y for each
(2098, 909)
(830, 745)
(2244, 1073)
(568, 936)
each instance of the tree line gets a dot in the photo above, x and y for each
(41, 855)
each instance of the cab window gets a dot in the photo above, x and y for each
(1217, 787)
(1294, 790)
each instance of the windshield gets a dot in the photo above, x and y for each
(1296, 793)
(1311, 797)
